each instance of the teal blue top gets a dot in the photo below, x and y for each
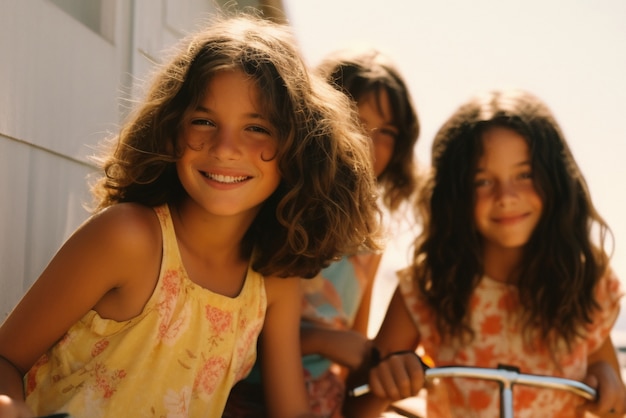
(332, 298)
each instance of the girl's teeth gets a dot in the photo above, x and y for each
(226, 179)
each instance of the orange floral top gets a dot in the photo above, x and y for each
(499, 340)
(178, 358)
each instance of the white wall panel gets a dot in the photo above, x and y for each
(59, 89)
(58, 79)
(13, 220)
(42, 203)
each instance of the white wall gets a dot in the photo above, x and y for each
(58, 96)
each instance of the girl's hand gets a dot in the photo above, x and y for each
(11, 408)
(611, 399)
(397, 376)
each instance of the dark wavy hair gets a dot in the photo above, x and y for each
(359, 73)
(325, 205)
(564, 257)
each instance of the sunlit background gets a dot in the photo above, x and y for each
(570, 53)
(64, 64)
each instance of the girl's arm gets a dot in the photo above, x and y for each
(397, 376)
(345, 347)
(348, 348)
(281, 362)
(93, 268)
(603, 373)
(370, 266)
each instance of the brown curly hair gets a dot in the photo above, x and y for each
(360, 72)
(325, 205)
(562, 261)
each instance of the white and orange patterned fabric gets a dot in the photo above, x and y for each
(494, 317)
(178, 358)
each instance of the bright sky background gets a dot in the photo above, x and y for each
(571, 53)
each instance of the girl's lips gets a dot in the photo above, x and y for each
(510, 219)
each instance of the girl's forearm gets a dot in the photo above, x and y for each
(345, 347)
(310, 339)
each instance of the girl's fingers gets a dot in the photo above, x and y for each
(611, 393)
(397, 377)
(382, 384)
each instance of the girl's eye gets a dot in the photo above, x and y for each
(202, 122)
(385, 134)
(259, 129)
(389, 132)
(482, 183)
(526, 175)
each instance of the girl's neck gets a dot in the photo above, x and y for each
(502, 264)
(211, 248)
(205, 235)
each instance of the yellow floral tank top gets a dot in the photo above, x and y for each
(178, 358)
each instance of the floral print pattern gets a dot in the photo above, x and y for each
(326, 393)
(499, 340)
(178, 358)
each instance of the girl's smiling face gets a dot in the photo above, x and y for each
(507, 207)
(228, 164)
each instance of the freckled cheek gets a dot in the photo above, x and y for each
(531, 193)
(266, 151)
(190, 139)
(479, 205)
(482, 193)
(483, 207)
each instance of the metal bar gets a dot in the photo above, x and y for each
(513, 377)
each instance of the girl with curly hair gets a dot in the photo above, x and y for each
(336, 302)
(238, 173)
(511, 268)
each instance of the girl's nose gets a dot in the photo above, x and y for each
(225, 145)
(506, 190)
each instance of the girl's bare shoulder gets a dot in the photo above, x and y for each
(127, 225)
(129, 236)
(130, 242)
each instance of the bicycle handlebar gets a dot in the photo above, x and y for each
(507, 376)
